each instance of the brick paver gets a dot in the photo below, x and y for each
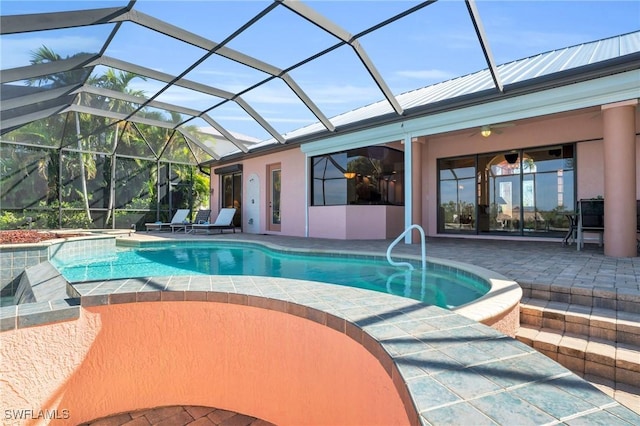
(180, 416)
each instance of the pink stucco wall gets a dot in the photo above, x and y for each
(584, 128)
(293, 189)
(328, 222)
(268, 364)
(356, 222)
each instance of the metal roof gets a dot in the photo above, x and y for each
(523, 70)
(192, 80)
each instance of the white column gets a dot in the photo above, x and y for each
(416, 179)
(408, 187)
(307, 183)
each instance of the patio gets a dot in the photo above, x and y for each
(452, 358)
(553, 277)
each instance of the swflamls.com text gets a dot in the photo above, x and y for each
(29, 414)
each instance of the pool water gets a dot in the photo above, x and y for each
(444, 288)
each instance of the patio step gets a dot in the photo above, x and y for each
(586, 356)
(591, 322)
(590, 341)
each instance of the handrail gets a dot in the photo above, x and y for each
(423, 246)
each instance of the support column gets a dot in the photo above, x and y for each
(620, 179)
(408, 186)
(416, 193)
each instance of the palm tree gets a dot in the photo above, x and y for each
(118, 81)
(62, 79)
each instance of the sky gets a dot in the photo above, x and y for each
(435, 44)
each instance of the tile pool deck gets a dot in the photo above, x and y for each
(456, 370)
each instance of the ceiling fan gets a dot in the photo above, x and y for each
(488, 129)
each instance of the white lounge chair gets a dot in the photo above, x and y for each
(201, 217)
(223, 221)
(178, 218)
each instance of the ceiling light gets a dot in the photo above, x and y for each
(349, 175)
(485, 131)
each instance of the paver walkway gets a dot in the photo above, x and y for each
(179, 416)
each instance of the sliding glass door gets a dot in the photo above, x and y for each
(516, 192)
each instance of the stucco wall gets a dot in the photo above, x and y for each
(268, 364)
(328, 222)
(293, 190)
(357, 222)
(583, 128)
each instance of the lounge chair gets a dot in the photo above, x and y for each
(223, 221)
(201, 217)
(180, 217)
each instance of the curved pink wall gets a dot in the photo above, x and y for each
(279, 367)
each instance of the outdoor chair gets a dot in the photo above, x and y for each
(638, 222)
(179, 217)
(201, 217)
(222, 222)
(590, 219)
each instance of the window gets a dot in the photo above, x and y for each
(518, 192)
(366, 176)
(457, 194)
(231, 194)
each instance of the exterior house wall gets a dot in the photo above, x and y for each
(356, 222)
(292, 200)
(328, 222)
(361, 222)
(584, 129)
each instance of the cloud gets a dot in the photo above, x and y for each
(432, 74)
(17, 52)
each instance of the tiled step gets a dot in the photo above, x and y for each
(619, 362)
(620, 299)
(591, 322)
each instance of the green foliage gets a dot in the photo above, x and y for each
(9, 220)
(38, 178)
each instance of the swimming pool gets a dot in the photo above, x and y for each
(442, 286)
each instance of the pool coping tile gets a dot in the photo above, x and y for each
(411, 358)
(387, 326)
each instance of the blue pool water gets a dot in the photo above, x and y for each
(438, 286)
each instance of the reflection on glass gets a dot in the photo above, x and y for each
(276, 187)
(547, 188)
(231, 195)
(499, 195)
(519, 191)
(370, 175)
(457, 195)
